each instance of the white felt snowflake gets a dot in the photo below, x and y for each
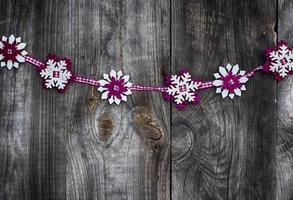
(56, 74)
(12, 52)
(230, 81)
(182, 88)
(115, 87)
(281, 60)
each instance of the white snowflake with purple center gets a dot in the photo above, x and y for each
(230, 81)
(56, 74)
(183, 88)
(281, 60)
(12, 52)
(115, 87)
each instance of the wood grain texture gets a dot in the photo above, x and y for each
(284, 141)
(224, 149)
(74, 146)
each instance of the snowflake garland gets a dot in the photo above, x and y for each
(279, 60)
(56, 73)
(229, 81)
(12, 52)
(115, 87)
(182, 89)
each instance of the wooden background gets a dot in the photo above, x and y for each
(76, 146)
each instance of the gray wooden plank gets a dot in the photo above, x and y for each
(75, 146)
(224, 149)
(16, 133)
(112, 149)
(284, 141)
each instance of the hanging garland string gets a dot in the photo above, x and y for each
(181, 88)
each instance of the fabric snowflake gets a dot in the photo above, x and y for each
(12, 52)
(115, 87)
(56, 73)
(182, 89)
(279, 60)
(230, 81)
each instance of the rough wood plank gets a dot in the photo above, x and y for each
(224, 149)
(20, 169)
(112, 149)
(75, 146)
(284, 142)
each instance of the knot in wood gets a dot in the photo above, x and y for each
(106, 126)
(148, 127)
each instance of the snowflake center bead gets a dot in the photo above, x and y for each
(284, 61)
(56, 74)
(182, 88)
(116, 87)
(231, 81)
(9, 51)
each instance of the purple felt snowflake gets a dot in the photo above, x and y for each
(229, 81)
(182, 89)
(279, 60)
(115, 87)
(12, 52)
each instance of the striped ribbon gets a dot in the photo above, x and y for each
(134, 87)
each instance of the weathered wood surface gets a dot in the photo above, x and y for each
(224, 149)
(284, 135)
(75, 146)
